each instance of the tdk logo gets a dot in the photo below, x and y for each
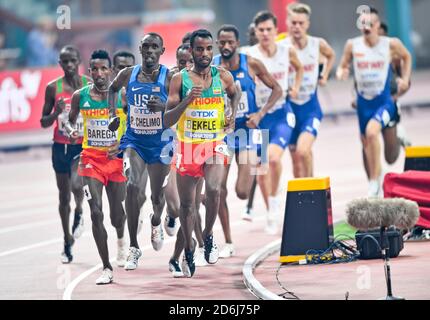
(202, 114)
(99, 123)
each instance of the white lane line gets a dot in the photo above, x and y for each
(53, 208)
(26, 226)
(67, 295)
(30, 247)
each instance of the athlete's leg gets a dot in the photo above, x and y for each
(187, 195)
(275, 168)
(95, 189)
(372, 148)
(214, 173)
(223, 212)
(391, 144)
(157, 177)
(172, 196)
(77, 185)
(302, 156)
(247, 160)
(116, 195)
(64, 189)
(135, 173)
(198, 231)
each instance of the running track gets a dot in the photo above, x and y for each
(31, 240)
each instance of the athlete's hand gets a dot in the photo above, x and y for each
(155, 104)
(254, 120)
(354, 104)
(402, 87)
(60, 106)
(113, 151)
(342, 74)
(229, 125)
(293, 93)
(323, 81)
(195, 92)
(113, 124)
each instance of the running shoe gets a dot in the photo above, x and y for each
(227, 251)
(106, 277)
(66, 255)
(78, 225)
(211, 250)
(199, 257)
(157, 235)
(248, 215)
(188, 265)
(170, 225)
(175, 269)
(134, 255)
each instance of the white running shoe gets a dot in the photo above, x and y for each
(248, 215)
(106, 277)
(401, 135)
(78, 225)
(170, 225)
(272, 224)
(374, 189)
(121, 257)
(134, 255)
(175, 269)
(227, 251)
(211, 250)
(199, 257)
(157, 235)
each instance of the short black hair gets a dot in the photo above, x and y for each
(125, 54)
(229, 28)
(201, 33)
(263, 16)
(155, 35)
(71, 48)
(374, 10)
(101, 54)
(186, 38)
(184, 46)
(384, 27)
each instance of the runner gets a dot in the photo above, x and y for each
(146, 142)
(183, 60)
(371, 55)
(280, 120)
(306, 106)
(196, 103)
(244, 69)
(65, 152)
(98, 167)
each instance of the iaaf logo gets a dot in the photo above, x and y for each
(14, 100)
(202, 114)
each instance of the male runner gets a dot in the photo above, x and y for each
(280, 120)
(145, 140)
(306, 106)
(244, 69)
(65, 152)
(371, 55)
(97, 167)
(196, 103)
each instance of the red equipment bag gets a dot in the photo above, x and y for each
(411, 185)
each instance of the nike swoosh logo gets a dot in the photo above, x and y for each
(133, 89)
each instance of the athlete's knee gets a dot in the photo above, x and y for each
(223, 193)
(303, 154)
(274, 161)
(118, 219)
(372, 133)
(213, 191)
(133, 188)
(64, 198)
(96, 215)
(242, 192)
(187, 208)
(392, 156)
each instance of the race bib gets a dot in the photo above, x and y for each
(243, 107)
(98, 134)
(143, 119)
(63, 118)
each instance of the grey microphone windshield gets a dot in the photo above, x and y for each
(365, 214)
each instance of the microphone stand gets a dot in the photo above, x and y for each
(386, 257)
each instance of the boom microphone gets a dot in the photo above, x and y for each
(365, 214)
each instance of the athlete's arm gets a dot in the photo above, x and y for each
(234, 96)
(175, 107)
(49, 117)
(326, 51)
(343, 71)
(73, 115)
(297, 65)
(399, 50)
(119, 82)
(261, 72)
